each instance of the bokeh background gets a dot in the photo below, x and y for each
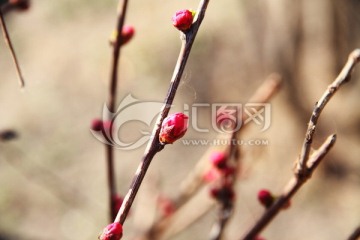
(52, 178)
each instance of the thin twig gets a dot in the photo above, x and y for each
(154, 145)
(11, 48)
(341, 79)
(355, 235)
(111, 105)
(305, 165)
(292, 187)
(224, 214)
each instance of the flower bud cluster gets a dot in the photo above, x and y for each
(222, 183)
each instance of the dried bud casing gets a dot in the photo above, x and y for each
(173, 128)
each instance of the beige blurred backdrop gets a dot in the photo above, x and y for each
(52, 179)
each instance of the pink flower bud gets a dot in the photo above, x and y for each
(112, 231)
(265, 198)
(183, 19)
(211, 175)
(167, 206)
(96, 125)
(218, 159)
(127, 34)
(173, 128)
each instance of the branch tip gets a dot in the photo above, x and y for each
(355, 55)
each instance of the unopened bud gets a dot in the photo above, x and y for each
(183, 19)
(224, 193)
(173, 127)
(96, 125)
(127, 34)
(218, 159)
(112, 231)
(265, 198)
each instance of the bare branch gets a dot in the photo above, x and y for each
(11, 48)
(111, 105)
(341, 79)
(355, 235)
(291, 188)
(305, 165)
(154, 146)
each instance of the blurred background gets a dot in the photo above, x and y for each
(52, 177)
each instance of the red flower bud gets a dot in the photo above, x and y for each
(112, 231)
(173, 128)
(20, 4)
(183, 19)
(218, 159)
(96, 125)
(265, 198)
(167, 206)
(228, 171)
(127, 34)
(224, 193)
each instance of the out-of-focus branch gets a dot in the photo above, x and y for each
(193, 181)
(233, 152)
(122, 7)
(355, 235)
